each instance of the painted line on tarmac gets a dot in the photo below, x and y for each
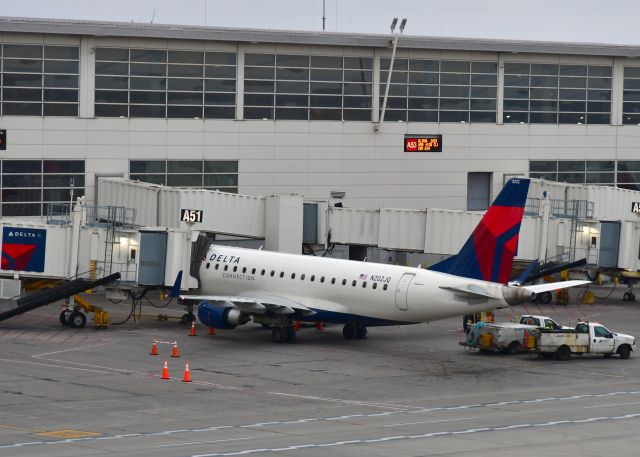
(79, 348)
(191, 443)
(314, 419)
(421, 436)
(437, 421)
(349, 402)
(612, 404)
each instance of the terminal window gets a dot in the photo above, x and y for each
(303, 87)
(209, 174)
(439, 91)
(621, 173)
(541, 93)
(165, 83)
(40, 187)
(39, 80)
(631, 96)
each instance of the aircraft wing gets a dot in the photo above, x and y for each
(255, 303)
(538, 288)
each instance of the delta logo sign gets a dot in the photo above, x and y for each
(23, 249)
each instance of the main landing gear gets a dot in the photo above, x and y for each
(283, 334)
(354, 331)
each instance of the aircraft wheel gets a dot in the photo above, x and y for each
(77, 319)
(349, 331)
(545, 298)
(361, 332)
(188, 318)
(290, 335)
(278, 335)
(64, 317)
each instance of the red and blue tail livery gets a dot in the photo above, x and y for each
(489, 251)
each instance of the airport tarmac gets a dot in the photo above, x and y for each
(405, 391)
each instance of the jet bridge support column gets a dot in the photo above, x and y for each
(283, 223)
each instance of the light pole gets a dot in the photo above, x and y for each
(394, 45)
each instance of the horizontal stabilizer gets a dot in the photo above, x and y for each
(538, 288)
(471, 290)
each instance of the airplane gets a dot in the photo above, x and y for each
(275, 289)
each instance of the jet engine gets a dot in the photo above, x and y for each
(517, 295)
(220, 317)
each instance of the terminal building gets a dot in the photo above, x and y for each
(263, 112)
(391, 145)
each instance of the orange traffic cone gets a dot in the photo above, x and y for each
(187, 373)
(297, 326)
(319, 326)
(212, 331)
(193, 329)
(154, 347)
(175, 352)
(165, 371)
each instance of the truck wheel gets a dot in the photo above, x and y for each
(624, 351)
(513, 348)
(563, 353)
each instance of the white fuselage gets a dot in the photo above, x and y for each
(376, 291)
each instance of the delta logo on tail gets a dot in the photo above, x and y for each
(488, 253)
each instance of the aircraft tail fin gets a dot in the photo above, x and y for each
(488, 253)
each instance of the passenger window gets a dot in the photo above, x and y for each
(536, 322)
(253, 271)
(235, 269)
(582, 328)
(364, 284)
(208, 264)
(282, 274)
(244, 269)
(313, 278)
(302, 277)
(226, 267)
(353, 283)
(217, 265)
(384, 287)
(321, 278)
(344, 282)
(333, 280)
(263, 272)
(272, 273)
(375, 285)
(293, 276)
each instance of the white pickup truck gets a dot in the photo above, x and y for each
(586, 338)
(541, 322)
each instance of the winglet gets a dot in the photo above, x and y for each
(175, 290)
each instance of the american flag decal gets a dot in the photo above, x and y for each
(363, 277)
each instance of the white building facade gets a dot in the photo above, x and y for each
(266, 112)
